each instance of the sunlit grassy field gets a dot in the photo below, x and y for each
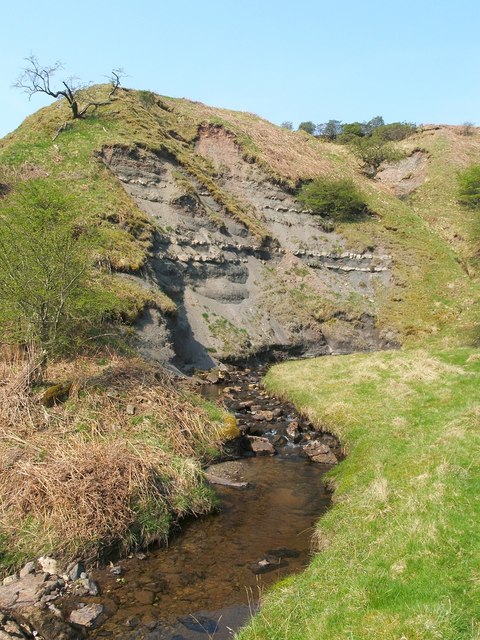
(398, 555)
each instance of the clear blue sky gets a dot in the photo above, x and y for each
(306, 60)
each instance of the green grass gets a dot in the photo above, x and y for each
(398, 553)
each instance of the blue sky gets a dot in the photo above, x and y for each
(351, 60)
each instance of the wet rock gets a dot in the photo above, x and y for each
(293, 432)
(261, 446)
(278, 440)
(75, 570)
(225, 482)
(277, 412)
(86, 616)
(318, 452)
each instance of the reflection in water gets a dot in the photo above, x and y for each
(209, 577)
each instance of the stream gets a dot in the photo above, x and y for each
(209, 580)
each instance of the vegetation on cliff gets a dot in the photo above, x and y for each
(107, 460)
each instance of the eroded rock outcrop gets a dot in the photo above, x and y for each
(239, 290)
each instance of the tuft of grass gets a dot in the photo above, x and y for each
(397, 555)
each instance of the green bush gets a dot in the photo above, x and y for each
(45, 297)
(372, 152)
(308, 127)
(395, 131)
(338, 198)
(147, 98)
(469, 187)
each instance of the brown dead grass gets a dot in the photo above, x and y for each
(86, 476)
(292, 155)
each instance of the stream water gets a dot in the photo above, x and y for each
(209, 579)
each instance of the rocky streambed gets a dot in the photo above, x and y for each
(268, 426)
(209, 579)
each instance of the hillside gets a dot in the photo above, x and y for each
(198, 204)
(198, 253)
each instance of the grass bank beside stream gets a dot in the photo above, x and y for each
(109, 464)
(398, 554)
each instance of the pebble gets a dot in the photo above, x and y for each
(75, 571)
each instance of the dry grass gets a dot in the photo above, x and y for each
(111, 467)
(289, 155)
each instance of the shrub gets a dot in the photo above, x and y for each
(469, 187)
(43, 267)
(372, 152)
(308, 127)
(338, 198)
(395, 131)
(467, 129)
(147, 99)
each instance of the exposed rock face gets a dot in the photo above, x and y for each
(238, 294)
(406, 175)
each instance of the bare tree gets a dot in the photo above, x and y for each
(37, 78)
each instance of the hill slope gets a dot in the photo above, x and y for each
(198, 203)
(196, 239)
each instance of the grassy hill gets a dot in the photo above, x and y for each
(195, 241)
(426, 234)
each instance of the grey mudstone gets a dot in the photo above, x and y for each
(75, 571)
(86, 616)
(27, 569)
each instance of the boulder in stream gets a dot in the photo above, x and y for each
(261, 446)
(86, 616)
(318, 452)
